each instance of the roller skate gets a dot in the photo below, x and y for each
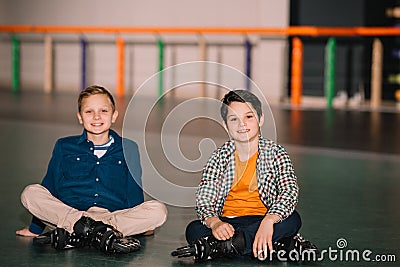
(307, 250)
(208, 247)
(88, 232)
(294, 249)
(60, 239)
(104, 237)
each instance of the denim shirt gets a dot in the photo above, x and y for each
(81, 180)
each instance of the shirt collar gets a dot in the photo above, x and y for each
(83, 137)
(261, 144)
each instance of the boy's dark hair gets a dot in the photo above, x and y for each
(242, 96)
(95, 90)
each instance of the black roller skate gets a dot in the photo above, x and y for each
(292, 249)
(307, 250)
(88, 232)
(208, 247)
(60, 239)
(104, 237)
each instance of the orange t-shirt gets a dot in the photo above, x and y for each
(243, 199)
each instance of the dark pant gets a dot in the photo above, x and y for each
(249, 226)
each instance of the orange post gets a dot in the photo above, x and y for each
(297, 71)
(120, 66)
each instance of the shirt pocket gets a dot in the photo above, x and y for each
(116, 175)
(75, 166)
(117, 166)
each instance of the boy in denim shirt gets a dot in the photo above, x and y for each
(89, 196)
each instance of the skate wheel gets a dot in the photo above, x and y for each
(60, 238)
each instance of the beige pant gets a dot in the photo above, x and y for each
(54, 213)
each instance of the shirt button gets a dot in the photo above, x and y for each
(97, 179)
(78, 158)
(97, 163)
(96, 195)
(94, 203)
(91, 148)
(119, 162)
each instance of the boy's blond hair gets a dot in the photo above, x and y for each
(95, 90)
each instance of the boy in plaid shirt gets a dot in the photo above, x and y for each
(248, 192)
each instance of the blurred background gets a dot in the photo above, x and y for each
(121, 55)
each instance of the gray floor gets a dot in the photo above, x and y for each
(347, 162)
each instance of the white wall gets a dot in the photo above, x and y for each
(269, 56)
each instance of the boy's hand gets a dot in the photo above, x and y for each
(263, 239)
(25, 232)
(220, 230)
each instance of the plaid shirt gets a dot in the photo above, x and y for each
(277, 182)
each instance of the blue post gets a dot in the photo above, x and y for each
(83, 62)
(248, 47)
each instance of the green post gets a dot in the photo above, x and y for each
(330, 61)
(15, 63)
(160, 44)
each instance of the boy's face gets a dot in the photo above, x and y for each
(242, 122)
(97, 115)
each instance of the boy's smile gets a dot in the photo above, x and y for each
(244, 131)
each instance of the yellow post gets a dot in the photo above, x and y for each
(203, 57)
(376, 74)
(48, 64)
